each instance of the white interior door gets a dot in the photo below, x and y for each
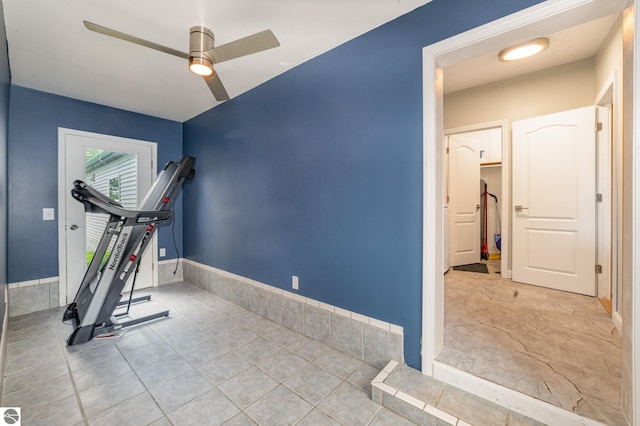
(119, 168)
(464, 199)
(554, 201)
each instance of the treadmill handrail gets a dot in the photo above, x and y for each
(91, 198)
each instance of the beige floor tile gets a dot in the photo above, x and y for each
(559, 347)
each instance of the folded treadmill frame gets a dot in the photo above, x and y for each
(99, 293)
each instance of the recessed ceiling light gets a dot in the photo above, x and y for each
(524, 50)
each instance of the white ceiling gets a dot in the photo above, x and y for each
(566, 46)
(50, 50)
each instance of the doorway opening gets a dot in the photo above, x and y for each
(540, 19)
(528, 338)
(494, 165)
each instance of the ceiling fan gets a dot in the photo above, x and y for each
(202, 54)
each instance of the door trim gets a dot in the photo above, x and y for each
(609, 244)
(62, 210)
(634, 321)
(543, 18)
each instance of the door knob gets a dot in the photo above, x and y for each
(73, 227)
(477, 206)
(518, 208)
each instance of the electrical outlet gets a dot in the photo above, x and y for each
(294, 282)
(48, 214)
(163, 252)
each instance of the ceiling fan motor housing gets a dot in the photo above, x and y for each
(201, 54)
(200, 41)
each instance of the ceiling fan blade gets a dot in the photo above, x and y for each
(244, 46)
(216, 87)
(133, 39)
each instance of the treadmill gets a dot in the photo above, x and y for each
(99, 294)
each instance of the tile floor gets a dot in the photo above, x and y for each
(422, 398)
(559, 347)
(211, 362)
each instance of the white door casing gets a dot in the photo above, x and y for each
(464, 199)
(609, 217)
(72, 242)
(554, 201)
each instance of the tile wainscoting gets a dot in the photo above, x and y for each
(26, 297)
(33, 296)
(170, 271)
(367, 339)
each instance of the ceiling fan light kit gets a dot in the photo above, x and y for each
(200, 65)
(202, 53)
(200, 41)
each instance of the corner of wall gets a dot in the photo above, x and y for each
(370, 340)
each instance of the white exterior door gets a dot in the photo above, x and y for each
(554, 200)
(464, 199)
(127, 176)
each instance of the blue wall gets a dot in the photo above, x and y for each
(34, 118)
(318, 172)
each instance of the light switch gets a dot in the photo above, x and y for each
(48, 214)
